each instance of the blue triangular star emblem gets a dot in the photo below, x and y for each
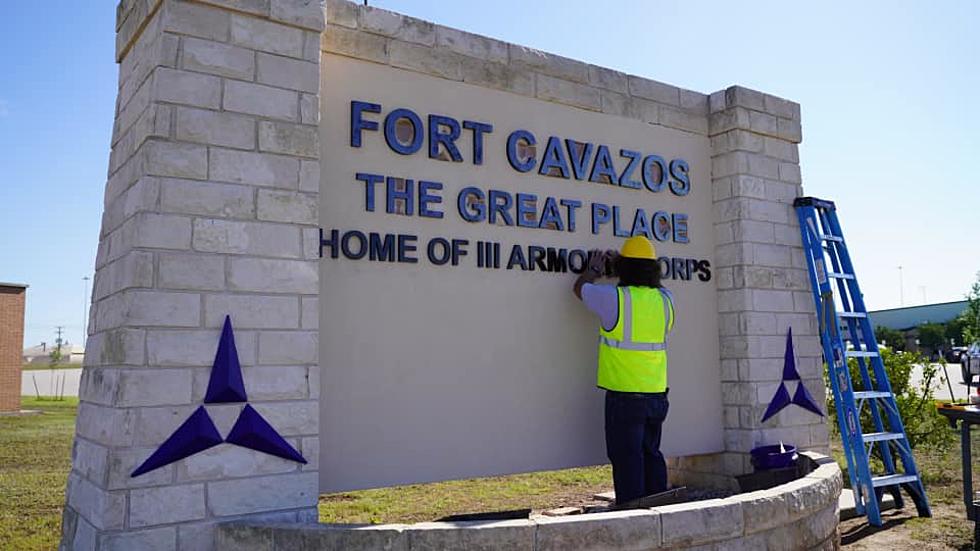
(198, 432)
(801, 397)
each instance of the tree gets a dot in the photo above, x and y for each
(932, 336)
(889, 337)
(971, 317)
(954, 331)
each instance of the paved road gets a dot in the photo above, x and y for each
(940, 388)
(50, 382)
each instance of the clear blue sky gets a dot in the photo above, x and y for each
(890, 119)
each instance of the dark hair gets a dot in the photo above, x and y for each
(638, 272)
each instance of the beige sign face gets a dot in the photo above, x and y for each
(434, 371)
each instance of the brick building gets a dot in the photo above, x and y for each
(12, 296)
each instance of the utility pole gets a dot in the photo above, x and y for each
(85, 311)
(901, 288)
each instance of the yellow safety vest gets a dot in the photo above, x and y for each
(633, 356)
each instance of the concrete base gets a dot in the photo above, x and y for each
(21, 413)
(847, 509)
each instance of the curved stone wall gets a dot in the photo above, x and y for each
(801, 514)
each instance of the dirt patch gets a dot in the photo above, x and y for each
(904, 530)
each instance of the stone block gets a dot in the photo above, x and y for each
(355, 44)
(258, 494)
(261, 100)
(287, 347)
(156, 424)
(342, 12)
(311, 313)
(734, 300)
(180, 160)
(105, 425)
(781, 107)
(821, 525)
(423, 59)
(549, 64)
(498, 76)
(122, 463)
(284, 72)
(256, 7)
(309, 109)
(90, 460)
(695, 102)
(683, 120)
(616, 104)
(273, 276)
(395, 25)
(292, 418)
(191, 271)
(105, 510)
(218, 59)
(701, 521)
(781, 149)
(290, 139)
(252, 311)
(762, 123)
(508, 534)
(302, 13)
(789, 130)
(196, 536)
(287, 206)
(277, 383)
(568, 92)
(206, 198)
(309, 176)
(197, 20)
(737, 96)
(239, 536)
(763, 510)
(790, 172)
(259, 169)
(194, 348)
(729, 119)
(471, 45)
(653, 90)
(199, 90)
(252, 238)
(390, 537)
(230, 461)
(216, 128)
(311, 448)
(163, 309)
(266, 36)
(166, 504)
(100, 384)
(154, 387)
(133, 270)
(638, 529)
(156, 539)
(608, 79)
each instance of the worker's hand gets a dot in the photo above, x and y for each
(597, 263)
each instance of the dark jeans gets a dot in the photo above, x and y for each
(633, 426)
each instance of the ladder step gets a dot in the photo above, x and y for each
(879, 436)
(839, 275)
(860, 354)
(857, 315)
(833, 238)
(865, 394)
(892, 479)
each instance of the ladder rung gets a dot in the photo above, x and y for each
(865, 394)
(879, 436)
(892, 479)
(860, 354)
(839, 275)
(851, 315)
(833, 238)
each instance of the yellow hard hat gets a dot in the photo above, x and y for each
(639, 246)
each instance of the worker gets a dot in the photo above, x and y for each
(635, 318)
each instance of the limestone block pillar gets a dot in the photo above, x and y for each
(763, 285)
(210, 211)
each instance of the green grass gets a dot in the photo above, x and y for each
(35, 455)
(424, 502)
(45, 367)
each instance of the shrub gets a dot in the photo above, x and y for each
(923, 423)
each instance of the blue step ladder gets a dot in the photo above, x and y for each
(828, 261)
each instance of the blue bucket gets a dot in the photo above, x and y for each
(765, 458)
